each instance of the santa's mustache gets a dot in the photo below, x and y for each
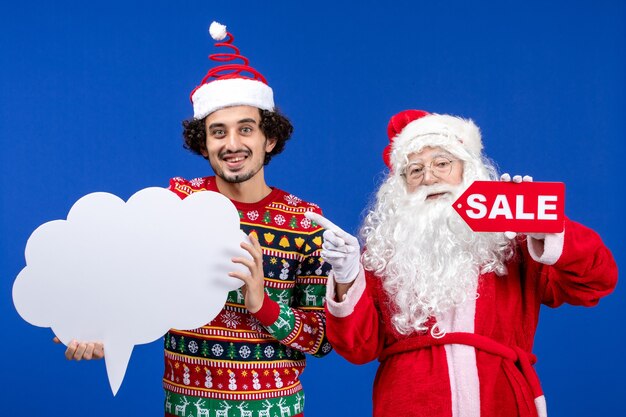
(421, 194)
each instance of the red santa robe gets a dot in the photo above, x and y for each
(482, 365)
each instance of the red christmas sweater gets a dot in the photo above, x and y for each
(243, 364)
(482, 365)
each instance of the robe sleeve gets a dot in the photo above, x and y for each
(575, 268)
(354, 325)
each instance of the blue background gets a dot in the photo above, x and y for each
(92, 95)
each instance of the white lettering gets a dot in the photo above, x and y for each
(475, 201)
(501, 208)
(519, 209)
(543, 206)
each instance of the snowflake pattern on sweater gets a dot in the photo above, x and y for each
(242, 364)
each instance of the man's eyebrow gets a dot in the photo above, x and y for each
(214, 125)
(223, 125)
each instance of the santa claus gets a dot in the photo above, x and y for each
(450, 314)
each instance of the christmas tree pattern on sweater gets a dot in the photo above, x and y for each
(238, 365)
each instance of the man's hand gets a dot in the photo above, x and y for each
(253, 291)
(82, 350)
(340, 249)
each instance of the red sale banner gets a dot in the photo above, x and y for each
(526, 207)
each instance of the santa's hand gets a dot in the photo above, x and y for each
(340, 249)
(516, 179)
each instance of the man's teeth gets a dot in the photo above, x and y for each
(241, 158)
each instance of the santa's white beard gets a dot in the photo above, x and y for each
(427, 256)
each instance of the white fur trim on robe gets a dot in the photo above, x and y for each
(542, 408)
(345, 307)
(461, 359)
(552, 248)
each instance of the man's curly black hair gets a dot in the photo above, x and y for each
(273, 125)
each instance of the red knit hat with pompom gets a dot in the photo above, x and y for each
(231, 83)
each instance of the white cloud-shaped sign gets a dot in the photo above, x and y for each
(125, 273)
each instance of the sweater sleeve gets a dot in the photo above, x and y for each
(354, 324)
(179, 187)
(580, 273)
(301, 324)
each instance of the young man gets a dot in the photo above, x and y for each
(449, 313)
(247, 361)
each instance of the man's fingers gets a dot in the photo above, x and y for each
(255, 243)
(71, 348)
(517, 179)
(80, 350)
(255, 252)
(88, 354)
(246, 278)
(527, 178)
(94, 350)
(83, 350)
(505, 177)
(248, 263)
(98, 350)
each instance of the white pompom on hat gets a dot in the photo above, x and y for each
(218, 31)
(412, 130)
(230, 84)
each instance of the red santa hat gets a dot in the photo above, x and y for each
(230, 84)
(412, 130)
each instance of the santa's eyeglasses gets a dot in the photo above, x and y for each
(440, 167)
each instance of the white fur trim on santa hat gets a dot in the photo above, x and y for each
(450, 132)
(231, 92)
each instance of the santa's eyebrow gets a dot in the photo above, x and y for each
(437, 155)
(414, 163)
(443, 155)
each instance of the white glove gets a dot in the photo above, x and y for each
(517, 179)
(340, 249)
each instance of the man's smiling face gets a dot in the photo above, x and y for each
(235, 144)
